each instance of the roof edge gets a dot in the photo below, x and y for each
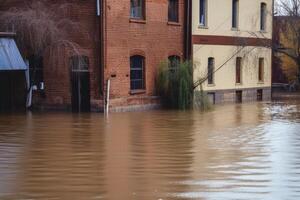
(7, 34)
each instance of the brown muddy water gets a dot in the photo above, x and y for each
(249, 151)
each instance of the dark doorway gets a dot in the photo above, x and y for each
(80, 82)
(239, 97)
(259, 95)
(12, 91)
(211, 97)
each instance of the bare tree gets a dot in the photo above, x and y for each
(288, 25)
(42, 28)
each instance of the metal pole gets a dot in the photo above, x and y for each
(107, 96)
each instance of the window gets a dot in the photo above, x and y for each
(238, 71)
(210, 70)
(261, 70)
(263, 16)
(203, 12)
(137, 73)
(80, 63)
(235, 13)
(137, 9)
(239, 96)
(36, 70)
(259, 95)
(173, 11)
(174, 61)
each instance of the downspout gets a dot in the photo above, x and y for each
(100, 46)
(188, 30)
(272, 47)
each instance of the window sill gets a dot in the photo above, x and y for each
(202, 26)
(263, 31)
(238, 84)
(136, 20)
(235, 29)
(260, 82)
(174, 23)
(133, 92)
(211, 85)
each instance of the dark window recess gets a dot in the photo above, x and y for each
(263, 16)
(238, 70)
(36, 68)
(137, 73)
(235, 13)
(174, 62)
(203, 12)
(211, 97)
(239, 96)
(259, 95)
(80, 82)
(210, 70)
(79, 63)
(173, 15)
(137, 9)
(261, 70)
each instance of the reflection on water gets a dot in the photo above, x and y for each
(249, 151)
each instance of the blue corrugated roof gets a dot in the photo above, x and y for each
(10, 57)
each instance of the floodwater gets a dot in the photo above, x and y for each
(249, 151)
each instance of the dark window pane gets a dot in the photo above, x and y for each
(263, 16)
(174, 61)
(173, 11)
(203, 12)
(137, 9)
(210, 70)
(137, 73)
(234, 13)
(238, 70)
(261, 70)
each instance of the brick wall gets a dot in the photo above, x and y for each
(154, 39)
(57, 75)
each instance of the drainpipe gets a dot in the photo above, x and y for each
(100, 45)
(188, 30)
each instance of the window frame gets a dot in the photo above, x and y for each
(263, 16)
(210, 71)
(205, 15)
(143, 10)
(235, 14)
(176, 11)
(261, 70)
(174, 62)
(238, 70)
(142, 68)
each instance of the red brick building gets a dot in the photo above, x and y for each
(124, 41)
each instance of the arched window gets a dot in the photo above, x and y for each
(79, 63)
(210, 70)
(137, 72)
(173, 15)
(235, 13)
(137, 9)
(263, 16)
(174, 61)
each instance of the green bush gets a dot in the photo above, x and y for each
(201, 100)
(175, 84)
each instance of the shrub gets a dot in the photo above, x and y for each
(175, 85)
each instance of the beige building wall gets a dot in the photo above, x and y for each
(225, 77)
(217, 39)
(219, 18)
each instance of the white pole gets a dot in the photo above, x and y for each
(98, 7)
(107, 96)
